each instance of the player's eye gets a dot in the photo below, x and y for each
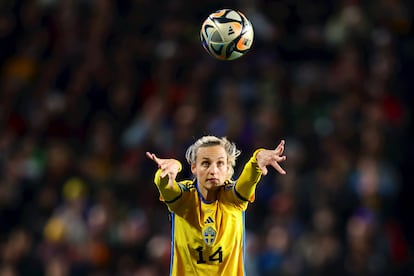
(205, 164)
(220, 164)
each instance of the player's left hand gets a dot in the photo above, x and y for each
(271, 158)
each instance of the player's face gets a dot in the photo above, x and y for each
(211, 167)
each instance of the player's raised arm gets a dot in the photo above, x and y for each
(165, 176)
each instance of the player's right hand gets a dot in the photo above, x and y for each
(169, 167)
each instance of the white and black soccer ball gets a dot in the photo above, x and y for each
(227, 34)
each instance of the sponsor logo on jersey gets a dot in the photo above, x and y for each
(208, 220)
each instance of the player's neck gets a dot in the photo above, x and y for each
(209, 195)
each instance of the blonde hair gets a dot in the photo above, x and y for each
(208, 141)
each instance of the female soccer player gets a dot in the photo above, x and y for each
(207, 213)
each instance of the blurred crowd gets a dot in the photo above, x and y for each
(86, 87)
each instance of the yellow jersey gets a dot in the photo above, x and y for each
(208, 238)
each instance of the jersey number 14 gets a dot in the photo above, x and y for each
(217, 256)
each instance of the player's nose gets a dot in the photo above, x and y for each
(213, 169)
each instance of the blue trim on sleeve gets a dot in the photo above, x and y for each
(175, 199)
(239, 195)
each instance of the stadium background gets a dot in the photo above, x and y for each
(86, 87)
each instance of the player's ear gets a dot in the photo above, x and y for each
(193, 168)
(230, 171)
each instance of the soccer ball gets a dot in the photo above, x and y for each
(227, 34)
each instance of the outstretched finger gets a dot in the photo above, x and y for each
(264, 170)
(153, 157)
(276, 165)
(280, 148)
(150, 155)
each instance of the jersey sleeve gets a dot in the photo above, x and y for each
(167, 194)
(245, 186)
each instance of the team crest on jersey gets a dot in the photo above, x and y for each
(209, 235)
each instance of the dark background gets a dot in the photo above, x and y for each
(86, 87)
